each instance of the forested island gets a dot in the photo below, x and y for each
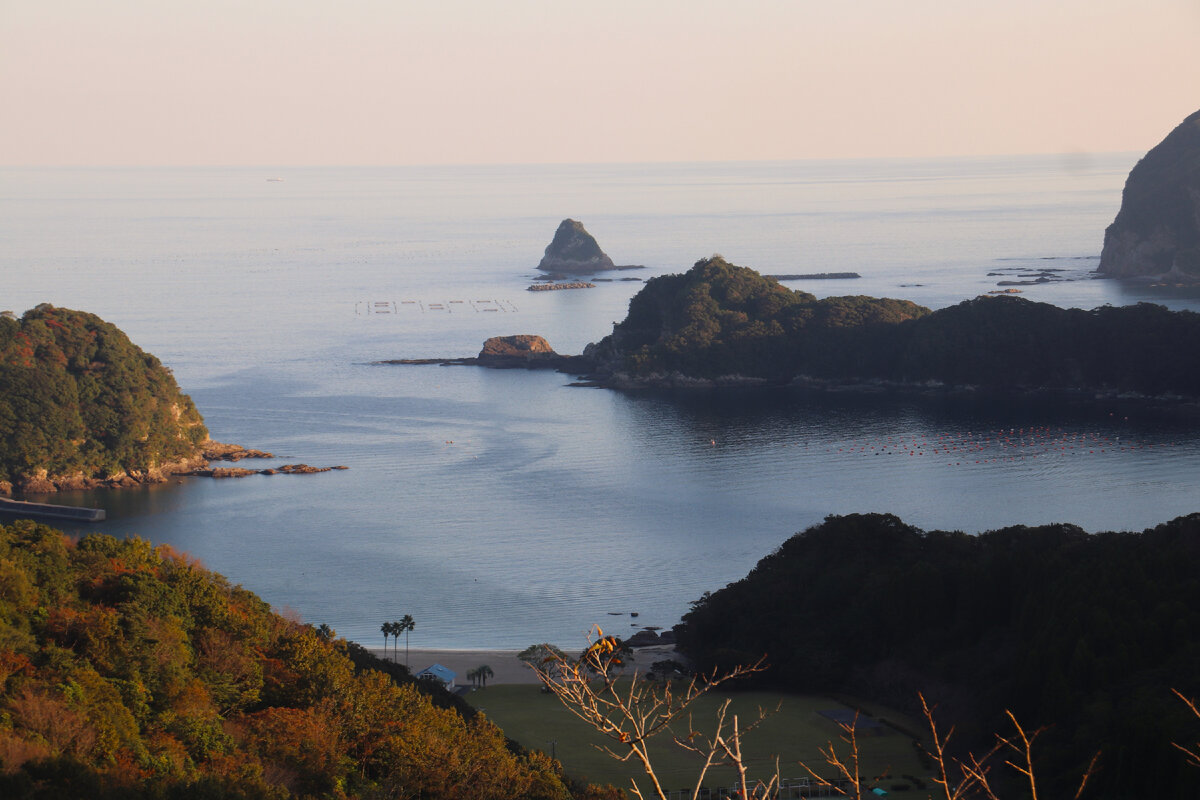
(130, 671)
(1085, 634)
(720, 323)
(83, 405)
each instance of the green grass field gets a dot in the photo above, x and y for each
(793, 734)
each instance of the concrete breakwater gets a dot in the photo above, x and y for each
(50, 511)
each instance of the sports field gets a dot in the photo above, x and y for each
(793, 733)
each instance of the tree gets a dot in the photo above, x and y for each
(388, 629)
(483, 671)
(628, 716)
(406, 624)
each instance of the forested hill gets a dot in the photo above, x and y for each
(81, 402)
(128, 671)
(722, 320)
(718, 319)
(1087, 634)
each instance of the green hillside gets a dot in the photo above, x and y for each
(81, 402)
(1087, 634)
(129, 671)
(719, 320)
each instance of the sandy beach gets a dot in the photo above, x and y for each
(506, 668)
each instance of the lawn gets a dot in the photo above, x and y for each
(793, 734)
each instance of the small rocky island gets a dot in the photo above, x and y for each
(521, 351)
(574, 251)
(1156, 234)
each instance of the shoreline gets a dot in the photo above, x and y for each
(506, 667)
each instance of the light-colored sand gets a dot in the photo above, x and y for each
(506, 668)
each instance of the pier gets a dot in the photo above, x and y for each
(50, 511)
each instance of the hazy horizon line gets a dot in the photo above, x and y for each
(1078, 156)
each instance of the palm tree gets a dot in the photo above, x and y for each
(473, 674)
(388, 629)
(484, 672)
(405, 625)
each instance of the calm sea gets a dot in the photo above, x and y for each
(504, 508)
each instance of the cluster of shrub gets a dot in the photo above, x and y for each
(1085, 633)
(81, 399)
(130, 671)
(718, 319)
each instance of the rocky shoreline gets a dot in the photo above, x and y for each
(197, 466)
(589, 374)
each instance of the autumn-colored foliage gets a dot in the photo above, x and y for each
(81, 400)
(130, 671)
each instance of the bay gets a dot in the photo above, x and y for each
(504, 508)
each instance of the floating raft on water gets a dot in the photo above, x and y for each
(76, 513)
(816, 276)
(550, 287)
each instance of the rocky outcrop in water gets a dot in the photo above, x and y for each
(573, 249)
(242, 472)
(1157, 231)
(522, 351)
(519, 346)
(219, 451)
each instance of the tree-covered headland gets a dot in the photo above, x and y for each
(719, 321)
(1087, 634)
(130, 671)
(80, 403)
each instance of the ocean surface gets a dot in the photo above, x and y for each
(504, 508)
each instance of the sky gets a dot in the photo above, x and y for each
(392, 82)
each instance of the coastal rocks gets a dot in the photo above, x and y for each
(573, 249)
(301, 469)
(1156, 234)
(521, 345)
(41, 482)
(650, 637)
(242, 472)
(224, 472)
(523, 350)
(219, 451)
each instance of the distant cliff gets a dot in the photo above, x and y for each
(1157, 231)
(81, 404)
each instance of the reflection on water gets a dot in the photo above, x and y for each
(510, 508)
(505, 508)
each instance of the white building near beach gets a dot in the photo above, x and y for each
(437, 672)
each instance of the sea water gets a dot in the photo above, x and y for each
(503, 508)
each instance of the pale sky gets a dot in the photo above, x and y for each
(382, 82)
